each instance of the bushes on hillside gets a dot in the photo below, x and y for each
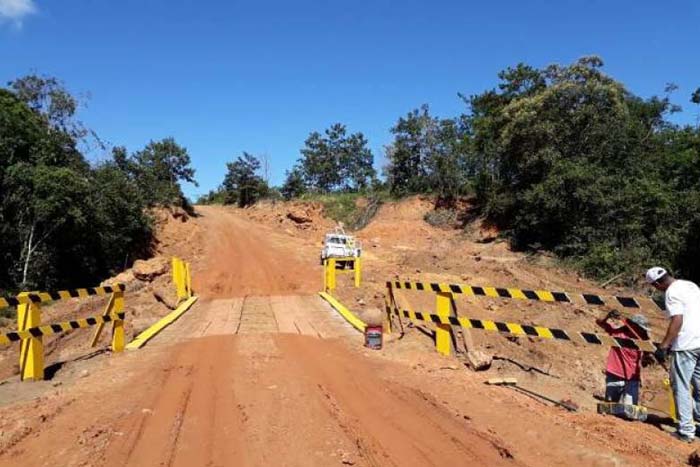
(569, 160)
(63, 222)
(566, 159)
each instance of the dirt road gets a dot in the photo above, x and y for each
(262, 372)
(243, 258)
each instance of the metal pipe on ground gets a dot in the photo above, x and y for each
(513, 383)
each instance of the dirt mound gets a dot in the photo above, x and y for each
(289, 216)
(175, 233)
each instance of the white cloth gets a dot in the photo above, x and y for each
(683, 298)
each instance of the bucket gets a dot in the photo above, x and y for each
(373, 337)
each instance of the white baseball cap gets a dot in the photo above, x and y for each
(655, 273)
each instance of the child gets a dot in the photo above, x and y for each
(623, 367)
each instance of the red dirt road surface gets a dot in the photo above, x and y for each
(261, 372)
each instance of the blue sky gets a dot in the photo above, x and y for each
(227, 76)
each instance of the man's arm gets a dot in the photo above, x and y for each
(674, 327)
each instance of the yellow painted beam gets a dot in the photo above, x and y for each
(349, 316)
(161, 324)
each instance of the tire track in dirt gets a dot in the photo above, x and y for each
(186, 421)
(368, 448)
(388, 430)
(177, 426)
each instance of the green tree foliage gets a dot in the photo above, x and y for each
(336, 161)
(294, 185)
(217, 196)
(695, 97)
(158, 170)
(428, 155)
(242, 184)
(62, 222)
(569, 160)
(47, 97)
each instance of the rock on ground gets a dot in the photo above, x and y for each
(125, 277)
(166, 294)
(147, 270)
(299, 216)
(478, 360)
(179, 213)
(373, 316)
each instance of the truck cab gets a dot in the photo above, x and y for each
(340, 245)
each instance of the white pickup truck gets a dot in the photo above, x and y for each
(340, 245)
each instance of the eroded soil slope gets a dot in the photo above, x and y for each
(261, 372)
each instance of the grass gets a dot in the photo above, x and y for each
(342, 207)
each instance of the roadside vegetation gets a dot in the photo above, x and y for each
(563, 159)
(66, 221)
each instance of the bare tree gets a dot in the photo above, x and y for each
(265, 163)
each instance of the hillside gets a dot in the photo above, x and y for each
(262, 372)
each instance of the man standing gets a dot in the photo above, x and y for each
(683, 340)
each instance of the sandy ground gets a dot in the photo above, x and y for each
(262, 372)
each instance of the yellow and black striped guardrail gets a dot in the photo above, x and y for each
(57, 328)
(43, 297)
(518, 294)
(524, 330)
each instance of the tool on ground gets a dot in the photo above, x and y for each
(513, 383)
(626, 411)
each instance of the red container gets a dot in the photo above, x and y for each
(373, 337)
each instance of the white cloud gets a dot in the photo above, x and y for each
(16, 10)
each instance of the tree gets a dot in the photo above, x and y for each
(48, 97)
(294, 185)
(335, 161)
(158, 170)
(428, 155)
(217, 196)
(62, 222)
(242, 183)
(40, 171)
(695, 99)
(356, 160)
(575, 163)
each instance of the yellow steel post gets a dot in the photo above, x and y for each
(179, 278)
(31, 355)
(176, 274)
(387, 315)
(117, 323)
(672, 401)
(331, 274)
(443, 340)
(325, 275)
(188, 280)
(357, 264)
